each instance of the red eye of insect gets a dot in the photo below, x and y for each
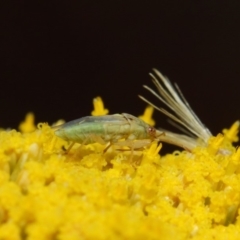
(152, 131)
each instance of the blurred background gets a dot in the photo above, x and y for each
(56, 56)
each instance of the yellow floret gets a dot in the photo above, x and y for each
(99, 109)
(28, 124)
(232, 133)
(147, 116)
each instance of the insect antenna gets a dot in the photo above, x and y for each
(56, 127)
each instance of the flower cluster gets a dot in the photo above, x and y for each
(46, 194)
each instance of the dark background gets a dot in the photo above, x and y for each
(56, 56)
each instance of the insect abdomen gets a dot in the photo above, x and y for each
(81, 133)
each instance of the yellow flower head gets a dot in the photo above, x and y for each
(121, 193)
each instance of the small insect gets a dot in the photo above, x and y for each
(118, 129)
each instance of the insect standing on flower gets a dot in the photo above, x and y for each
(118, 129)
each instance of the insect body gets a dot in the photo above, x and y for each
(109, 129)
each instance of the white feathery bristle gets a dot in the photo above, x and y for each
(182, 113)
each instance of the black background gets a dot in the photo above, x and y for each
(56, 56)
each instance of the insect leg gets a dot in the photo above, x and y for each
(137, 144)
(69, 148)
(96, 139)
(127, 117)
(99, 140)
(107, 147)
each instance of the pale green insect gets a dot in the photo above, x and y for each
(109, 129)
